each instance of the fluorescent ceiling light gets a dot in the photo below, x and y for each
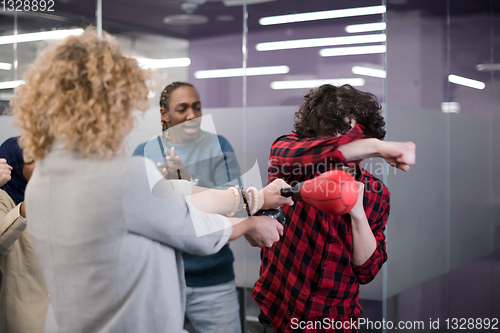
(5, 66)
(38, 36)
(365, 27)
(163, 63)
(466, 82)
(315, 42)
(488, 67)
(368, 71)
(300, 84)
(323, 15)
(230, 3)
(6, 96)
(342, 51)
(450, 107)
(232, 72)
(10, 84)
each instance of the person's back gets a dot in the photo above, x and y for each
(23, 294)
(107, 229)
(86, 295)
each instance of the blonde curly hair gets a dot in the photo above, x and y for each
(82, 91)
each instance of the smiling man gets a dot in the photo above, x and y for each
(212, 303)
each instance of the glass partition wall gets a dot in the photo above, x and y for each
(442, 93)
(433, 64)
(296, 46)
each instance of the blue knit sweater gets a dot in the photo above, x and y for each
(209, 162)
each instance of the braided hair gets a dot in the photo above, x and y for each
(165, 96)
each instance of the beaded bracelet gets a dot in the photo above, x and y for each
(244, 196)
(237, 200)
(254, 199)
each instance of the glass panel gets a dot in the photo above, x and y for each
(209, 34)
(294, 57)
(418, 235)
(16, 53)
(473, 223)
(443, 235)
(443, 248)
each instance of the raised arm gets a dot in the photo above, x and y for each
(5, 171)
(398, 154)
(292, 156)
(368, 223)
(11, 223)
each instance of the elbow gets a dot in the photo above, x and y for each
(5, 250)
(365, 279)
(203, 246)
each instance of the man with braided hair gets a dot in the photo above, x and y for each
(212, 303)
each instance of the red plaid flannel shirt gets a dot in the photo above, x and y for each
(308, 274)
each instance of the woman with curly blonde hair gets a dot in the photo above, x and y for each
(109, 248)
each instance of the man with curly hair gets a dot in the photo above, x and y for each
(313, 273)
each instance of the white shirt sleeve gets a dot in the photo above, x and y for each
(164, 213)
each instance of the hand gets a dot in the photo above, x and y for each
(5, 171)
(272, 195)
(398, 154)
(174, 166)
(265, 231)
(358, 210)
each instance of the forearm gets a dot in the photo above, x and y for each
(363, 240)
(11, 227)
(240, 227)
(309, 155)
(213, 201)
(360, 149)
(398, 154)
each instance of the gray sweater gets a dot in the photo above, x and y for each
(108, 235)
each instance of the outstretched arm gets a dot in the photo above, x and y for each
(292, 156)
(398, 154)
(222, 201)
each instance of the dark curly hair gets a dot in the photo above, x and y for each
(327, 111)
(165, 96)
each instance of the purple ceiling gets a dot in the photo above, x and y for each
(147, 15)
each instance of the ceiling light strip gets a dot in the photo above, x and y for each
(234, 72)
(315, 42)
(369, 71)
(466, 82)
(10, 84)
(322, 15)
(353, 50)
(5, 66)
(163, 63)
(301, 84)
(365, 27)
(39, 36)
